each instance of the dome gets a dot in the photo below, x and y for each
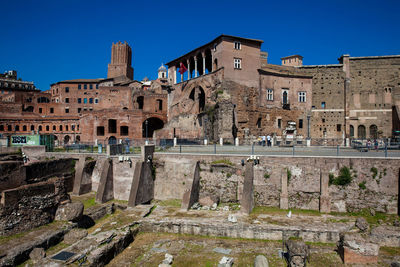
(162, 68)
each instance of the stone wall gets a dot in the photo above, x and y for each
(223, 176)
(30, 206)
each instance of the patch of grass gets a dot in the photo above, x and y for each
(267, 175)
(54, 249)
(379, 216)
(170, 203)
(223, 161)
(228, 175)
(90, 202)
(275, 210)
(391, 251)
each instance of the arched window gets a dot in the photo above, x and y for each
(373, 131)
(40, 128)
(361, 132)
(24, 128)
(16, 127)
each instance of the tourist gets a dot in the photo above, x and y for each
(369, 144)
(263, 140)
(376, 144)
(268, 140)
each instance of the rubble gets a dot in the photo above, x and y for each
(357, 248)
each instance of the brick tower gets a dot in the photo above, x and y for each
(121, 60)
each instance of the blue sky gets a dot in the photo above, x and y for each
(50, 41)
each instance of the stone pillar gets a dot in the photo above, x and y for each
(237, 141)
(247, 201)
(142, 188)
(175, 75)
(188, 69)
(205, 141)
(195, 67)
(80, 165)
(324, 199)
(308, 142)
(105, 191)
(147, 151)
(203, 54)
(284, 199)
(221, 141)
(175, 141)
(191, 194)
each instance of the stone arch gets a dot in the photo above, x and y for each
(361, 132)
(112, 140)
(199, 97)
(153, 124)
(43, 99)
(140, 102)
(66, 139)
(373, 131)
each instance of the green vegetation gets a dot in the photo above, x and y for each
(222, 161)
(228, 175)
(331, 178)
(374, 220)
(362, 185)
(266, 175)
(170, 203)
(275, 210)
(90, 202)
(289, 174)
(345, 177)
(374, 172)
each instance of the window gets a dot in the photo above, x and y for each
(238, 45)
(67, 110)
(32, 127)
(322, 104)
(79, 86)
(67, 89)
(90, 86)
(237, 63)
(1, 127)
(300, 123)
(338, 127)
(90, 100)
(112, 126)
(79, 110)
(97, 86)
(40, 110)
(24, 128)
(16, 127)
(323, 120)
(54, 128)
(85, 86)
(79, 100)
(9, 128)
(40, 128)
(73, 127)
(47, 128)
(270, 94)
(96, 101)
(67, 100)
(302, 96)
(279, 123)
(66, 127)
(258, 123)
(159, 101)
(61, 127)
(51, 110)
(100, 130)
(124, 130)
(85, 101)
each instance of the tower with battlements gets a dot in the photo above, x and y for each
(121, 61)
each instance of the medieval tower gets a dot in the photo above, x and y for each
(121, 60)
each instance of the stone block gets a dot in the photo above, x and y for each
(247, 201)
(324, 199)
(261, 261)
(297, 253)
(147, 150)
(142, 188)
(105, 191)
(191, 194)
(69, 212)
(78, 175)
(37, 254)
(34, 153)
(209, 200)
(284, 197)
(75, 235)
(354, 248)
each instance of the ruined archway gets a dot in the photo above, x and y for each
(199, 97)
(151, 125)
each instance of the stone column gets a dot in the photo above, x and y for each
(203, 54)
(175, 75)
(284, 199)
(180, 70)
(195, 67)
(188, 69)
(324, 199)
(247, 201)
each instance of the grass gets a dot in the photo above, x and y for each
(90, 202)
(391, 251)
(222, 161)
(170, 203)
(275, 210)
(374, 220)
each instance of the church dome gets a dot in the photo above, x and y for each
(162, 68)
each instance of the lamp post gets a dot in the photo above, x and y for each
(308, 125)
(146, 123)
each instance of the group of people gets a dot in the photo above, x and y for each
(264, 140)
(369, 144)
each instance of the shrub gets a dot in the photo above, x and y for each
(331, 178)
(266, 175)
(374, 172)
(228, 175)
(343, 179)
(362, 185)
(289, 174)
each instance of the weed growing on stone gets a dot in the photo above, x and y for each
(228, 175)
(374, 172)
(362, 185)
(266, 175)
(289, 174)
(345, 177)
(223, 161)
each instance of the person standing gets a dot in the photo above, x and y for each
(268, 140)
(263, 140)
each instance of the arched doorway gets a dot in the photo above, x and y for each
(373, 131)
(351, 131)
(152, 125)
(112, 140)
(361, 132)
(77, 139)
(66, 139)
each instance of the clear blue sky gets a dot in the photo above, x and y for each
(50, 41)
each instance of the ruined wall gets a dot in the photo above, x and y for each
(223, 176)
(30, 206)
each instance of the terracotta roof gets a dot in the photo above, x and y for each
(80, 81)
